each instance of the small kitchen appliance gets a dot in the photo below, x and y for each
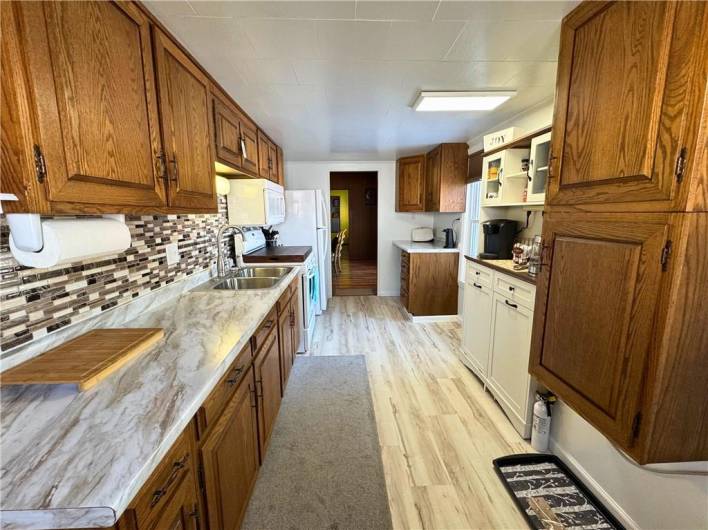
(498, 238)
(422, 235)
(449, 238)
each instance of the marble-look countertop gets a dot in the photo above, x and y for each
(414, 246)
(76, 459)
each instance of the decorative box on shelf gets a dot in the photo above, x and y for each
(500, 138)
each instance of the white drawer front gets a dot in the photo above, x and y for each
(518, 291)
(478, 274)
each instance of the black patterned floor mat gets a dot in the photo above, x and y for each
(550, 496)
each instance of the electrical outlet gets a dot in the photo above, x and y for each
(172, 253)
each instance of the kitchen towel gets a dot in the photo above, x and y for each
(71, 240)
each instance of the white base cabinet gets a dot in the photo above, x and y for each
(497, 320)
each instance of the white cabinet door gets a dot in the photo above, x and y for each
(477, 324)
(538, 168)
(508, 367)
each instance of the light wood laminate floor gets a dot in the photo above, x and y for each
(438, 429)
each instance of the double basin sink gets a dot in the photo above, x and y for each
(253, 278)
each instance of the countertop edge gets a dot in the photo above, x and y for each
(410, 247)
(521, 275)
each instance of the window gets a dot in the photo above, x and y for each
(470, 225)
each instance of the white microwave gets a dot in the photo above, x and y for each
(256, 202)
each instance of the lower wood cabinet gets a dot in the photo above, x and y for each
(429, 282)
(182, 510)
(285, 336)
(268, 389)
(229, 458)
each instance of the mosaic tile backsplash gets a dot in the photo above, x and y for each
(36, 302)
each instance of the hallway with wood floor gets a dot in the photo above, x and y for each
(357, 277)
(438, 429)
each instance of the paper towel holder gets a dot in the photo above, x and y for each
(26, 229)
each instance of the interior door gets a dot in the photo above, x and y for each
(595, 305)
(410, 195)
(477, 326)
(230, 458)
(628, 73)
(90, 64)
(186, 127)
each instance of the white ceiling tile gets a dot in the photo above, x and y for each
(269, 71)
(338, 9)
(535, 40)
(421, 40)
(279, 39)
(531, 74)
(210, 37)
(352, 40)
(504, 10)
(397, 10)
(169, 8)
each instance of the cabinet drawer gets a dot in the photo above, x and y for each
(266, 327)
(517, 291)
(478, 274)
(209, 412)
(155, 495)
(284, 299)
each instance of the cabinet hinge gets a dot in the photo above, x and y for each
(40, 165)
(636, 424)
(200, 477)
(197, 518)
(680, 165)
(162, 164)
(665, 254)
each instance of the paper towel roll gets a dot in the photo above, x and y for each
(70, 240)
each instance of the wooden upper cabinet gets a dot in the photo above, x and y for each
(184, 93)
(280, 166)
(227, 131)
(446, 178)
(249, 153)
(410, 184)
(595, 312)
(631, 82)
(263, 155)
(90, 69)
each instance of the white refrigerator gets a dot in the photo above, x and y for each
(306, 216)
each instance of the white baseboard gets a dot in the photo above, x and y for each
(593, 485)
(434, 318)
(388, 293)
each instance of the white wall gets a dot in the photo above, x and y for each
(391, 224)
(638, 497)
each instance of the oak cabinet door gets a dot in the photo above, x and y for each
(186, 127)
(281, 166)
(433, 166)
(272, 162)
(263, 154)
(295, 324)
(249, 156)
(230, 458)
(595, 307)
(286, 345)
(267, 368)
(90, 65)
(629, 74)
(410, 177)
(228, 134)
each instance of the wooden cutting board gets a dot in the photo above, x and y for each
(85, 360)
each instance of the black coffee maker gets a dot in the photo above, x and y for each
(498, 238)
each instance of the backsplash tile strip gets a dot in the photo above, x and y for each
(36, 302)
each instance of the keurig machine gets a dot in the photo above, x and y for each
(498, 238)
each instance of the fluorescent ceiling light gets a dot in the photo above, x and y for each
(460, 101)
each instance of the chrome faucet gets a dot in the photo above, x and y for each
(220, 267)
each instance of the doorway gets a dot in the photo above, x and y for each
(353, 218)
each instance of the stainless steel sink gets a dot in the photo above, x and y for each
(262, 272)
(247, 283)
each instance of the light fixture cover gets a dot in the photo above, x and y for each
(460, 101)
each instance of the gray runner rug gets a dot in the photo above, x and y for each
(323, 467)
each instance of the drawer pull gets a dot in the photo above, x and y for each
(161, 492)
(477, 286)
(237, 372)
(510, 304)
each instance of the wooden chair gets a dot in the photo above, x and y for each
(337, 256)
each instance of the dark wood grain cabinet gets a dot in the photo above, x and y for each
(429, 282)
(620, 314)
(410, 184)
(629, 96)
(268, 388)
(446, 178)
(104, 112)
